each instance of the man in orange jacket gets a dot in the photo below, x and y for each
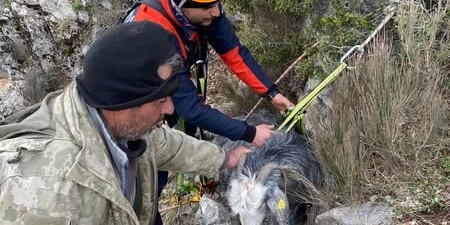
(196, 23)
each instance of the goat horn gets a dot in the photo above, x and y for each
(265, 172)
(241, 163)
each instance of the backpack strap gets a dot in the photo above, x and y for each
(156, 5)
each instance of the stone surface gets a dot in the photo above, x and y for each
(47, 36)
(107, 4)
(10, 98)
(211, 212)
(367, 214)
(83, 16)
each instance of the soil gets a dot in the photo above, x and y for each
(439, 217)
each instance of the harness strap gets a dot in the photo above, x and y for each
(157, 6)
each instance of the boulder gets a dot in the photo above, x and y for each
(211, 212)
(367, 214)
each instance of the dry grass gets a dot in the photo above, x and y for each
(389, 126)
(225, 88)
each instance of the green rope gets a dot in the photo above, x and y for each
(296, 114)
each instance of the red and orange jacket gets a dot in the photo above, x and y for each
(221, 36)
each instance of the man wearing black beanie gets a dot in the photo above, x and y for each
(90, 154)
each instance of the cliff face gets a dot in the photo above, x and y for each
(42, 44)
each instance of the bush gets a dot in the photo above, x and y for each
(388, 127)
(278, 31)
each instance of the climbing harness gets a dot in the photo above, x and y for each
(201, 77)
(295, 115)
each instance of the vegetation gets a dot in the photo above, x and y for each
(77, 5)
(387, 136)
(278, 31)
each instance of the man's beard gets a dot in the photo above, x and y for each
(132, 132)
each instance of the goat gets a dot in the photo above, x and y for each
(261, 179)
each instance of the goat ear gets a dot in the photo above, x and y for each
(278, 204)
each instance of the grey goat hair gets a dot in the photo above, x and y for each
(261, 181)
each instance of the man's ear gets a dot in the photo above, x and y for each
(278, 204)
(165, 71)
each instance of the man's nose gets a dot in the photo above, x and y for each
(215, 11)
(168, 108)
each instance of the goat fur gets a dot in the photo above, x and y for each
(289, 150)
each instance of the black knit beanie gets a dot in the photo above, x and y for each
(121, 67)
(197, 3)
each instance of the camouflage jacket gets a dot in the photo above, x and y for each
(55, 168)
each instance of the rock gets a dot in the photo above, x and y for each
(211, 212)
(86, 2)
(107, 4)
(83, 16)
(10, 99)
(28, 2)
(18, 48)
(3, 18)
(5, 84)
(4, 73)
(229, 108)
(44, 35)
(60, 10)
(367, 214)
(32, 24)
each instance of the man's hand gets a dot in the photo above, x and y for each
(281, 103)
(263, 132)
(235, 155)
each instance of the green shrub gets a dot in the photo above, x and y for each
(77, 5)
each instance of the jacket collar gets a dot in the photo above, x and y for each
(190, 30)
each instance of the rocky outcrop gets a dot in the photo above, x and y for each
(47, 37)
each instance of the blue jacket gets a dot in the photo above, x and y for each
(221, 36)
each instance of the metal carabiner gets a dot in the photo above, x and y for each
(200, 62)
(347, 54)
